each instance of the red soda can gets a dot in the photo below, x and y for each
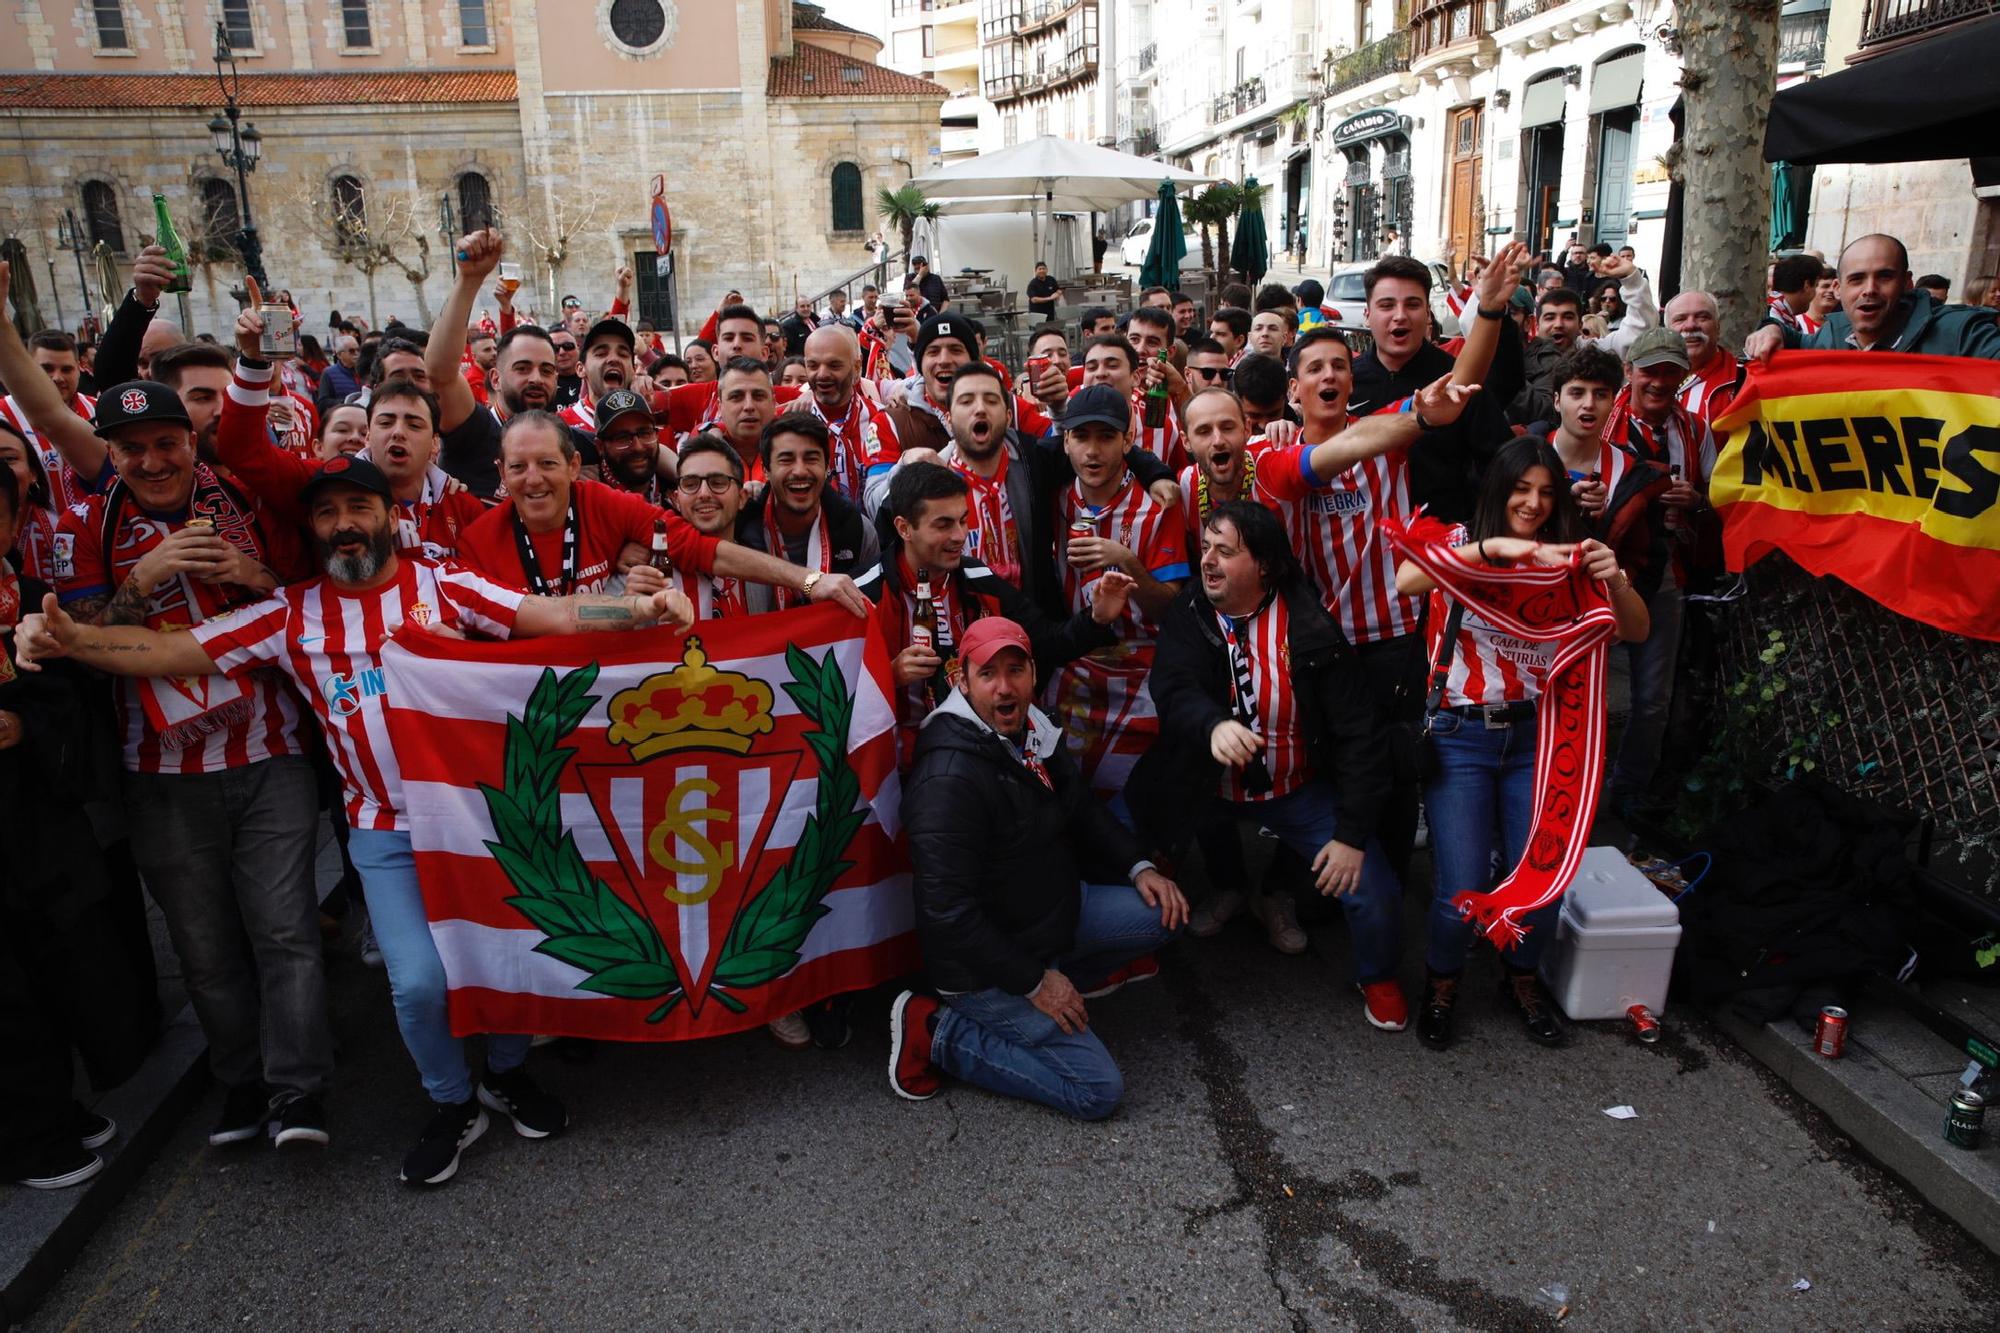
(1037, 365)
(1644, 1026)
(1830, 1037)
(1082, 527)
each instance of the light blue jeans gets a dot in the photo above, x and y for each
(999, 1041)
(416, 974)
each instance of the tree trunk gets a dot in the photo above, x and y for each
(1207, 250)
(374, 315)
(1729, 50)
(1221, 254)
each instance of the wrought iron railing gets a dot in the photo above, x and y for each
(1390, 55)
(1802, 38)
(1441, 25)
(1246, 96)
(1893, 20)
(1522, 13)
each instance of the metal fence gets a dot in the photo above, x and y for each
(1883, 705)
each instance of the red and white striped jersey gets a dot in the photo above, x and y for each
(329, 641)
(1706, 394)
(863, 445)
(1487, 666)
(1141, 525)
(1336, 531)
(1266, 639)
(67, 488)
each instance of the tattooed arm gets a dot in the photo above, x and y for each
(587, 612)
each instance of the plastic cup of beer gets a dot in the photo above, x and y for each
(510, 277)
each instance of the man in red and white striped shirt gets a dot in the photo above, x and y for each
(1112, 360)
(326, 634)
(1712, 372)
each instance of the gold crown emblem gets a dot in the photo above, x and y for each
(692, 707)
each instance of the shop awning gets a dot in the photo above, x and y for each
(1542, 103)
(1931, 101)
(1615, 83)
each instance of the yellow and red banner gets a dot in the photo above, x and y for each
(1879, 469)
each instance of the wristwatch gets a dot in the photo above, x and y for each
(1497, 313)
(812, 581)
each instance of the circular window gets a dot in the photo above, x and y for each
(637, 25)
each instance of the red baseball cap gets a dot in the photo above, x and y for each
(988, 636)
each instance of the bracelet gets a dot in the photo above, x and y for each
(1482, 552)
(1500, 313)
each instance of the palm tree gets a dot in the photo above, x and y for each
(902, 208)
(1219, 204)
(1197, 214)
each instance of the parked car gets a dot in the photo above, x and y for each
(1347, 301)
(1140, 239)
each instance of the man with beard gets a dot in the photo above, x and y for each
(1712, 372)
(797, 518)
(862, 437)
(528, 371)
(929, 550)
(745, 403)
(218, 792)
(610, 360)
(558, 532)
(709, 495)
(55, 355)
(739, 335)
(630, 456)
(1224, 466)
(1446, 463)
(482, 353)
(326, 635)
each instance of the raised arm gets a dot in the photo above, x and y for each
(118, 349)
(477, 255)
(1493, 289)
(44, 408)
(1436, 404)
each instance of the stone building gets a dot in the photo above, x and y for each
(386, 123)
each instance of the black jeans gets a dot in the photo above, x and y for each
(1395, 669)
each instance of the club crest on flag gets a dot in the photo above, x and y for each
(705, 908)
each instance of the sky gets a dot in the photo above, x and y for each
(867, 15)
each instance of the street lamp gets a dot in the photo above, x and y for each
(240, 146)
(70, 237)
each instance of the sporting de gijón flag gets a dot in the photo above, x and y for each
(1880, 469)
(654, 836)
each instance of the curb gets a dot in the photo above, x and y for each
(1888, 1118)
(42, 1232)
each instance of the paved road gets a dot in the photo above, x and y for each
(1277, 1165)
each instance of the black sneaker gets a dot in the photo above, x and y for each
(1434, 1016)
(300, 1120)
(1536, 1007)
(829, 1023)
(516, 1095)
(92, 1130)
(63, 1168)
(245, 1112)
(435, 1158)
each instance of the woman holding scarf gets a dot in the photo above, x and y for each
(1484, 688)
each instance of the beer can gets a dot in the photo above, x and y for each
(1082, 527)
(1830, 1037)
(1644, 1026)
(1037, 365)
(1964, 1119)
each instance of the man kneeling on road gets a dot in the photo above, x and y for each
(1021, 911)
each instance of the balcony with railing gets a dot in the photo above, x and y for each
(1246, 96)
(1438, 27)
(1887, 21)
(1802, 37)
(1038, 15)
(1389, 55)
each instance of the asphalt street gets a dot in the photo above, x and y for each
(1277, 1164)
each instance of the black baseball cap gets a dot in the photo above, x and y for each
(350, 471)
(1097, 405)
(137, 401)
(610, 328)
(621, 403)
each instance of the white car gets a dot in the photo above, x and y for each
(1346, 295)
(1140, 239)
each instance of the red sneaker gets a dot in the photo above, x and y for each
(1143, 968)
(911, 1072)
(1383, 1003)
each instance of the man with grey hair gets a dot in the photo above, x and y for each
(339, 379)
(1712, 372)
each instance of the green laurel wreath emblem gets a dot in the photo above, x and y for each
(589, 926)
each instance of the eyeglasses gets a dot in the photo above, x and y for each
(1223, 373)
(718, 483)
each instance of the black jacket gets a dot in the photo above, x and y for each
(1190, 684)
(996, 857)
(854, 543)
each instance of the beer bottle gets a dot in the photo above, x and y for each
(923, 624)
(171, 240)
(1156, 398)
(660, 560)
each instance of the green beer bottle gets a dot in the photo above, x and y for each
(171, 239)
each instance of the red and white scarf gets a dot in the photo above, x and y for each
(997, 544)
(819, 550)
(1559, 605)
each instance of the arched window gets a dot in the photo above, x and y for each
(350, 209)
(475, 201)
(847, 212)
(100, 215)
(221, 220)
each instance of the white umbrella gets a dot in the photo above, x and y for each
(1047, 173)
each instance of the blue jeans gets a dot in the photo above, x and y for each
(1304, 821)
(999, 1041)
(1650, 665)
(416, 974)
(1483, 782)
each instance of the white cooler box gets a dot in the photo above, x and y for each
(1615, 941)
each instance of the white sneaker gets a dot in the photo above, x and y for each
(790, 1031)
(1280, 915)
(1209, 918)
(1423, 838)
(371, 952)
